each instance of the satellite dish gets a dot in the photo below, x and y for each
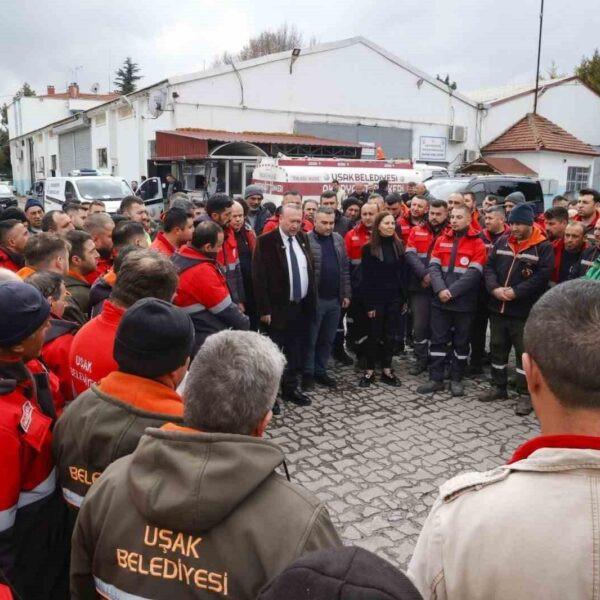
(156, 102)
(95, 88)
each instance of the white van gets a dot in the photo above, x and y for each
(85, 186)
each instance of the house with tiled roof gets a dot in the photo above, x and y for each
(563, 161)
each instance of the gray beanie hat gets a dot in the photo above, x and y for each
(516, 198)
(253, 190)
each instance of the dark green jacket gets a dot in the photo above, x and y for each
(193, 515)
(78, 303)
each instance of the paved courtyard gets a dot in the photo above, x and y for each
(377, 456)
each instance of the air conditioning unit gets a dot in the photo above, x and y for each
(457, 134)
(469, 156)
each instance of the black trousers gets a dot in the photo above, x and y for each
(506, 333)
(292, 341)
(382, 335)
(479, 331)
(358, 326)
(452, 328)
(420, 306)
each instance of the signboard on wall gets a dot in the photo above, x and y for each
(432, 148)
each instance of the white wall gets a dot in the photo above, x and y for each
(571, 105)
(550, 165)
(352, 84)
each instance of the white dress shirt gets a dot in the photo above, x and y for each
(302, 264)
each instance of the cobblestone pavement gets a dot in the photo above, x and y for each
(376, 456)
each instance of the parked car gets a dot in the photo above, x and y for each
(85, 185)
(482, 185)
(7, 195)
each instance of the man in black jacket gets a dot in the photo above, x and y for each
(332, 278)
(257, 214)
(342, 224)
(516, 275)
(285, 293)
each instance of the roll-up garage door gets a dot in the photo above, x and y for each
(396, 142)
(75, 150)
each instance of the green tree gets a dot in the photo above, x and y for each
(5, 166)
(126, 77)
(24, 90)
(589, 70)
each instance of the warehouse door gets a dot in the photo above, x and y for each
(75, 150)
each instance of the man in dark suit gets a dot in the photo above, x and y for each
(284, 288)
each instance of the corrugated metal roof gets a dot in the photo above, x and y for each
(536, 133)
(255, 137)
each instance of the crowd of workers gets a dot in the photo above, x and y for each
(137, 386)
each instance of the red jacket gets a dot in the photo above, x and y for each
(163, 245)
(475, 220)
(103, 266)
(457, 264)
(355, 239)
(55, 354)
(404, 226)
(418, 252)
(201, 284)
(91, 355)
(10, 260)
(30, 524)
(229, 258)
(273, 223)
(203, 290)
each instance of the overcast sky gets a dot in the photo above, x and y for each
(480, 43)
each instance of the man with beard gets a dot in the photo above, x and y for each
(100, 226)
(418, 253)
(568, 253)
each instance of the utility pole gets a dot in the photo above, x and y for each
(537, 72)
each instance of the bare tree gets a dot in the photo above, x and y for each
(267, 42)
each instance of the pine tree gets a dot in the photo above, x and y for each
(127, 76)
(589, 70)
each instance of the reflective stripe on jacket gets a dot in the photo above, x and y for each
(456, 264)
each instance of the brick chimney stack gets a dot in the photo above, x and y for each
(73, 90)
(50, 90)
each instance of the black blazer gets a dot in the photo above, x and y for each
(271, 280)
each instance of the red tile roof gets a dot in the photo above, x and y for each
(536, 133)
(504, 166)
(260, 138)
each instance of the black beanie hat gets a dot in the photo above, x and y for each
(346, 573)
(153, 338)
(23, 310)
(522, 213)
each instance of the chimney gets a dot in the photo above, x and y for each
(50, 90)
(73, 90)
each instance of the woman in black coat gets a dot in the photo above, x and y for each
(383, 293)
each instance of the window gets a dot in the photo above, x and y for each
(125, 112)
(102, 158)
(151, 148)
(479, 190)
(577, 178)
(53, 162)
(100, 119)
(70, 191)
